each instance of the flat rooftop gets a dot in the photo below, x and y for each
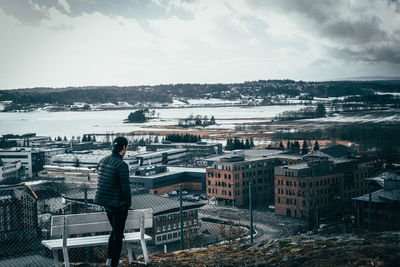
(171, 171)
(257, 153)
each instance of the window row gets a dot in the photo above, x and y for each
(245, 165)
(174, 226)
(171, 236)
(175, 216)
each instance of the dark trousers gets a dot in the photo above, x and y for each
(117, 219)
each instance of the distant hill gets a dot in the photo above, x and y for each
(269, 91)
(371, 78)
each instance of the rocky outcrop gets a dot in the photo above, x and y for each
(379, 249)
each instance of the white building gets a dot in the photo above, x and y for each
(134, 159)
(10, 171)
(31, 159)
(88, 158)
(72, 175)
(30, 140)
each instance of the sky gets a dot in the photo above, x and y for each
(60, 43)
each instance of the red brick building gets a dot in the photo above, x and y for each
(228, 179)
(318, 189)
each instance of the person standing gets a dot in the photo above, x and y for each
(114, 194)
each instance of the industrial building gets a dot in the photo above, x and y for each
(164, 179)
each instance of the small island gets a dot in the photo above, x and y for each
(140, 116)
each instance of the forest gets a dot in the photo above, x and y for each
(165, 93)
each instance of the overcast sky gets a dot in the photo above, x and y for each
(61, 43)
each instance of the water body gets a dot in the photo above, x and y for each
(101, 122)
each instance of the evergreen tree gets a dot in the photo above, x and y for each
(84, 138)
(156, 139)
(251, 143)
(236, 143)
(321, 111)
(65, 138)
(229, 144)
(281, 145)
(77, 163)
(316, 145)
(59, 138)
(94, 138)
(247, 144)
(198, 122)
(142, 142)
(242, 144)
(212, 120)
(288, 145)
(304, 148)
(296, 147)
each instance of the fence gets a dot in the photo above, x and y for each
(181, 219)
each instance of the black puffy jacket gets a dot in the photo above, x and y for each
(113, 189)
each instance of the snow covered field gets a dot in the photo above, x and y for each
(78, 123)
(101, 122)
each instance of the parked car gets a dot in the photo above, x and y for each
(173, 193)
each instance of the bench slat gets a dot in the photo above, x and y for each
(97, 227)
(97, 222)
(97, 217)
(77, 242)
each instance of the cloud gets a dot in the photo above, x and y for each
(352, 30)
(32, 12)
(25, 11)
(62, 27)
(169, 41)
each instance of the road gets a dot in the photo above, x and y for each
(266, 224)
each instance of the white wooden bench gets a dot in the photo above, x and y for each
(78, 224)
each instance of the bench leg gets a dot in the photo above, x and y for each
(66, 257)
(55, 256)
(145, 253)
(130, 256)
